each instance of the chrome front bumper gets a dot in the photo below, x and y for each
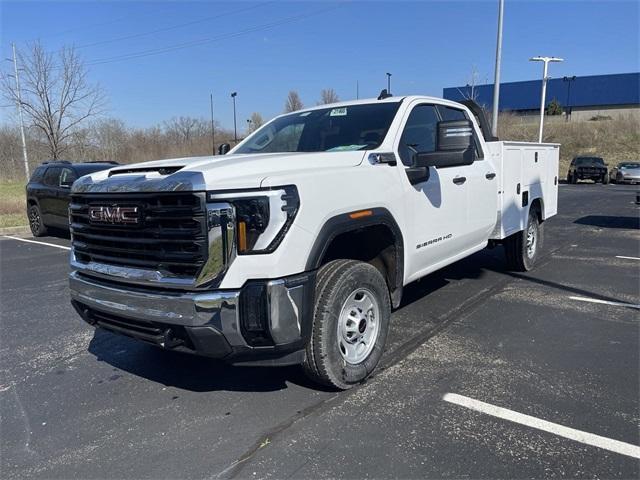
(179, 319)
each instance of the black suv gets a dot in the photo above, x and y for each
(588, 168)
(48, 192)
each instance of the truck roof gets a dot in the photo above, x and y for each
(365, 101)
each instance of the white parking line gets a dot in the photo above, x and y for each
(627, 258)
(571, 433)
(605, 302)
(39, 243)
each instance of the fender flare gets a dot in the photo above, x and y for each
(343, 223)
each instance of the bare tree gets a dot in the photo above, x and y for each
(255, 122)
(328, 95)
(293, 102)
(57, 96)
(185, 129)
(110, 137)
(470, 92)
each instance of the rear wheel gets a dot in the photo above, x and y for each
(350, 324)
(38, 228)
(522, 248)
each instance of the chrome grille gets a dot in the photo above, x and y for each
(171, 236)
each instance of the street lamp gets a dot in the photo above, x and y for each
(249, 123)
(235, 129)
(388, 83)
(545, 68)
(568, 80)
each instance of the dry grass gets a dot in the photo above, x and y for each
(12, 205)
(614, 140)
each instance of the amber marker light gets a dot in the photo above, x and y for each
(242, 236)
(360, 214)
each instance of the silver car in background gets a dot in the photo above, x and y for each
(625, 172)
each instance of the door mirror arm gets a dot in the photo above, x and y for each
(416, 173)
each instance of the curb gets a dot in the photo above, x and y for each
(23, 231)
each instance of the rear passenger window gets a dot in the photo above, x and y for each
(38, 173)
(52, 177)
(419, 135)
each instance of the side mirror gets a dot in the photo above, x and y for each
(454, 146)
(224, 148)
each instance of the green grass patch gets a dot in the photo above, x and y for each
(13, 205)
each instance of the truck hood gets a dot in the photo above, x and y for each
(211, 173)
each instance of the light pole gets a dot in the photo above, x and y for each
(235, 130)
(496, 78)
(568, 80)
(19, 105)
(213, 134)
(249, 124)
(545, 68)
(388, 83)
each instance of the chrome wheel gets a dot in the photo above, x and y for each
(532, 240)
(358, 326)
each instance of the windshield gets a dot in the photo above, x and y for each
(353, 127)
(629, 165)
(589, 160)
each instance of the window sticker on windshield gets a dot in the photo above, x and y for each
(304, 114)
(338, 112)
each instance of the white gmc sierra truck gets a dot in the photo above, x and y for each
(294, 246)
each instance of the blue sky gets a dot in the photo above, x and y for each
(264, 49)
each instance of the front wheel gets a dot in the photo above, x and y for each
(605, 179)
(350, 324)
(522, 248)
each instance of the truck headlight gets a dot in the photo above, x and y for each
(262, 216)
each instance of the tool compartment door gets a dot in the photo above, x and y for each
(511, 191)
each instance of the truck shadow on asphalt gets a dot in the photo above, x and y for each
(199, 374)
(609, 221)
(189, 372)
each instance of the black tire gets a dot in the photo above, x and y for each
(336, 283)
(519, 257)
(605, 179)
(38, 228)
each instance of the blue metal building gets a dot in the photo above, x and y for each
(591, 95)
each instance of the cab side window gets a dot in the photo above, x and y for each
(67, 177)
(52, 177)
(419, 135)
(449, 113)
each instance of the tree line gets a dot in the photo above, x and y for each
(65, 118)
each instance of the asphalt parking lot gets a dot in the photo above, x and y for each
(488, 374)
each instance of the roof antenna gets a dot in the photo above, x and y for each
(384, 94)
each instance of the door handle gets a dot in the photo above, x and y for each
(459, 180)
(490, 176)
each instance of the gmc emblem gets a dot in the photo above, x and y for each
(114, 215)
